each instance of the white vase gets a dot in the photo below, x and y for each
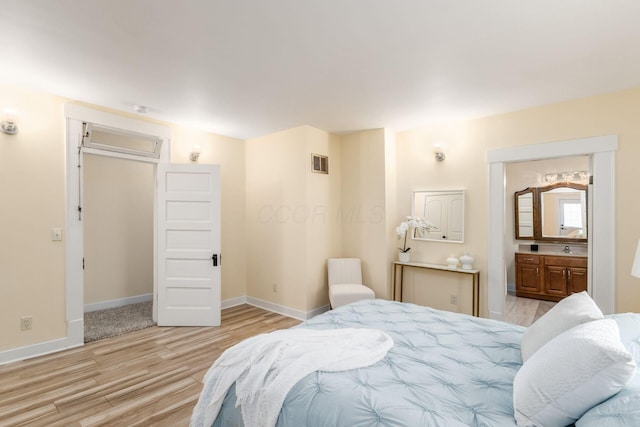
(404, 256)
(467, 261)
(452, 263)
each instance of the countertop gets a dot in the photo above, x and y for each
(554, 253)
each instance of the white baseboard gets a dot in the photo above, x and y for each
(284, 310)
(103, 305)
(319, 310)
(232, 302)
(75, 328)
(47, 347)
(495, 315)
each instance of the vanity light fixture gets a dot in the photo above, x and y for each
(438, 151)
(635, 270)
(195, 153)
(8, 124)
(569, 176)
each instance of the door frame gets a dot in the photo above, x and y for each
(75, 115)
(601, 227)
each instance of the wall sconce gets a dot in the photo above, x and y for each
(8, 124)
(438, 151)
(195, 153)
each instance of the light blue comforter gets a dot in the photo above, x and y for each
(445, 369)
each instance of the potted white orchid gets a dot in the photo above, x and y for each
(411, 224)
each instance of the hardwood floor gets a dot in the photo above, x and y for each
(150, 377)
(524, 311)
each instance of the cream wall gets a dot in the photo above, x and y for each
(117, 211)
(291, 217)
(366, 230)
(391, 200)
(466, 167)
(323, 229)
(32, 192)
(229, 153)
(276, 215)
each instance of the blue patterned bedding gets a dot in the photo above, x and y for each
(445, 369)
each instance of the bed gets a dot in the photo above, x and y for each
(444, 369)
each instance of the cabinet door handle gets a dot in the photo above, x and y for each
(537, 270)
(569, 274)
(527, 259)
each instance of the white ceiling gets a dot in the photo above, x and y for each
(246, 68)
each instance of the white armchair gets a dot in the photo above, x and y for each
(345, 282)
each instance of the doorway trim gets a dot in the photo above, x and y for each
(75, 115)
(601, 245)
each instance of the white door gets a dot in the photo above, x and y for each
(188, 247)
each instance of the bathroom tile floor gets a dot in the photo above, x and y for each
(524, 311)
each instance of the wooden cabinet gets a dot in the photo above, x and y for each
(577, 279)
(550, 277)
(528, 274)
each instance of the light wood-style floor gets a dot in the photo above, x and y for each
(146, 378)
(524, 311)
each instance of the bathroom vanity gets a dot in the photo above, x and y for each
(550, 276)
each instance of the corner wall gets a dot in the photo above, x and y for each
(118, 228)
(292, 227)
(366, 197)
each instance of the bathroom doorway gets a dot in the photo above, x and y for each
(520, 176)
(601, 278)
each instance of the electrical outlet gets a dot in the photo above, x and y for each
(275, 287)
(26, 323)
(453, 299)
(56, 234)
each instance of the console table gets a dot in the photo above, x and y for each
(398, 270)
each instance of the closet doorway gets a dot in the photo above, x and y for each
(186, 220)
(100, 135)
(118, 211)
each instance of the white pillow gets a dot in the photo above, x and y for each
(570, 374)
(569, 312)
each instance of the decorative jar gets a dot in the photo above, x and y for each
(467, 261)
(452, 263)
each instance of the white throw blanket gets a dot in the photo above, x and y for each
(267, 366)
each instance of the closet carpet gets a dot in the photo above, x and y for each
(117, 321)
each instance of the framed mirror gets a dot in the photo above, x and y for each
(563, 212)
(443, 211)
(555, 213)
(526, 207)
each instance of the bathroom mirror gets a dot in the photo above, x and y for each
(563, 212)
(525, 213)
(444, 211)
(555, 213)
